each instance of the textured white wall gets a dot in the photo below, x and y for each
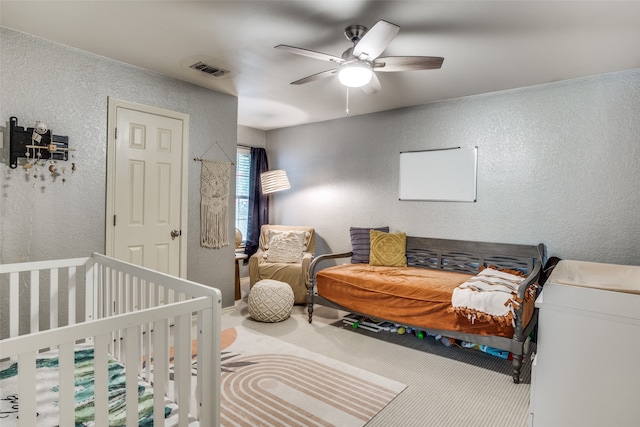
(558, 164)
(251, 137)
(68, 89)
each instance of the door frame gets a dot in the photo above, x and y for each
(113, 105)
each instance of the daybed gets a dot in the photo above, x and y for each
(420, 295)
(73, 326)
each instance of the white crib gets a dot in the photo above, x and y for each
(131, 314)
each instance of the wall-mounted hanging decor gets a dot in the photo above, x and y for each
(214, 201)
(41, 148)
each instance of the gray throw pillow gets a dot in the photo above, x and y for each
(361, 243)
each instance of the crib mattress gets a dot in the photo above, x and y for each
(410, 296)
(47, 392)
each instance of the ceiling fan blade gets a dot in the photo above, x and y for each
(314, 77)
(376, 40)
(407, 63)
(373, 86)
(310, 53)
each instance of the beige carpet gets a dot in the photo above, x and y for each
(445, 386)
(269, 382)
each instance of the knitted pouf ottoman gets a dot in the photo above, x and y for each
(270, 301)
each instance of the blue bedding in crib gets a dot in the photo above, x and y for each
(47, 392)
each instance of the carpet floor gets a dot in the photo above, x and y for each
(267, 381)
(446, 386)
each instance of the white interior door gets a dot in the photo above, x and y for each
(146, 197)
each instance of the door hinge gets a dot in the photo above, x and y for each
(114, 220)
(116, 135)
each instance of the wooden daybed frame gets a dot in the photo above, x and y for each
(467, 257)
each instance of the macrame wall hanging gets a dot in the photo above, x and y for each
(214, 202)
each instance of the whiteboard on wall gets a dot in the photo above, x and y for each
(440, 175)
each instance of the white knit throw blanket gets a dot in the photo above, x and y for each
(214, 202)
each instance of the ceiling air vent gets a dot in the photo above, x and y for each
(209, 69)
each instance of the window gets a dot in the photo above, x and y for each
(243, 166)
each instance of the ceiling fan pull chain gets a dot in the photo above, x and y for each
(347, 101)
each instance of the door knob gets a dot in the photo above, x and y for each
(175, 233)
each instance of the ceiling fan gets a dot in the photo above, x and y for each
(358, 64)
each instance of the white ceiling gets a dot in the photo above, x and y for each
(487, 46)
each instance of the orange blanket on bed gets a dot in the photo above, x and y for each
(405, 295)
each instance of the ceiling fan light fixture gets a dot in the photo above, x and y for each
(355, 73)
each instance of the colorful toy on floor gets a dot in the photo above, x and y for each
(356, 321)
(489, 350)
(361, 322)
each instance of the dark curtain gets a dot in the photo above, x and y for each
(258, 203)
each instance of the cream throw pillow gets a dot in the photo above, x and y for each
(285, 246)
(388, 249)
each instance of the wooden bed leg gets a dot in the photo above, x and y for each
(310, 311)
(517, 366)
(310, 294)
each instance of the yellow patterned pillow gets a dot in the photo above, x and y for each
(388, 249)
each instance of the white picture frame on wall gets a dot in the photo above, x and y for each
(445, 175)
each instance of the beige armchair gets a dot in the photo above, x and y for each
(284, 254)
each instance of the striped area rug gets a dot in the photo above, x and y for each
(268, 382)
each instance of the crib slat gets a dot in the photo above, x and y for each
(129, 286)
(27, 389)
(98, 288)
(35, 301)
(200, 367)
(14, 301)
(112, 292)
(182, 366)
(71, 319)
(108, 310)
(132, 354)
(89, 291)
(108, 305)
(158, 293)
(67, 381)
(116, 304)
(168, 391)
(106, 286)
(117, 293)
(160, 369)
(146, 301)
(53, 305)
(102, 307)
(147, 348)
(208, 368)
(137, 293)
(101, 380)
(150, 289)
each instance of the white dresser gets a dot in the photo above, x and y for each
(587, 369)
